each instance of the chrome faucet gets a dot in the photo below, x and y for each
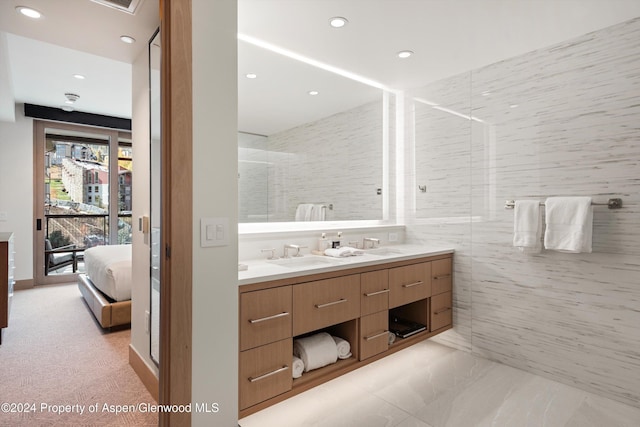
(273, 253)
(290, 246)
(374, 242)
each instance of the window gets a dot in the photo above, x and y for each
(97, 189)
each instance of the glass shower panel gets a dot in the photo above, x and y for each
(442, 130)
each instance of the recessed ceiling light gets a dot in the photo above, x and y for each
(405, 54)
(251, 75)
(27, 11)
(513, 106)
(313, 92)
(128, 39)
(338, 22)
(79, 76)
(485, 93)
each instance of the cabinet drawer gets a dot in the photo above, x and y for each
(374, 334)
(441, 276)
(374, 287)
(265, 316)
(409, 283)
(325, 302)
(441, 311)
(265, 372)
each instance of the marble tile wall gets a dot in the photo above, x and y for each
(574, 132)
(336, 160)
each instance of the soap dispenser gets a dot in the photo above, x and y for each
(323, 243)
(336, 243)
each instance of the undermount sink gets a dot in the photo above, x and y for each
(384, 251)
(305, 261)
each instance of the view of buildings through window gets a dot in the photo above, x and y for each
(77, 193)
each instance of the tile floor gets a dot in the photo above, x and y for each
(431, 385)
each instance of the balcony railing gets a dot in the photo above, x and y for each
(70, 234)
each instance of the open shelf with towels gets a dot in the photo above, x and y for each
(347, 331)
(353, 304)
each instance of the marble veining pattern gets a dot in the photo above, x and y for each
(336, 160)
(432, 385)
(575, 132)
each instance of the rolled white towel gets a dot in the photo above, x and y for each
(344, 251)
(344, 348)
(316, 350)
(392, 338)
(298, 367)
(336, 252)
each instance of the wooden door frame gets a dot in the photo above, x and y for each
(176, 211)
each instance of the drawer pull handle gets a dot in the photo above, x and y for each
(340, 301)
(446, 276)
(410, 285)
(384, 291)
(442, 310)
(373, 337)
(268, 374)
(275, 316)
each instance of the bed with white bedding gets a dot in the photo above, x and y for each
(106, 285)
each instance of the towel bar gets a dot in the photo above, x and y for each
(611, 204)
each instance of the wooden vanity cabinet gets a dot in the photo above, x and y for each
(265, 372)
(441, 278)
(374, 289)
(265, 316)
(374, 334)
(266, 345)
(323, 303)
(374, 309)
(409, 283)
(354, 304)
(441, 311)
(6, 279)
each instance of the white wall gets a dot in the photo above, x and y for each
(215, 174)
(571, 317)
(16, 188)
(140, 254)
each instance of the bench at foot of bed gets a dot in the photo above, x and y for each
(108, 313)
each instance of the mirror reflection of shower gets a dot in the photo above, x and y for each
(155, 194)
(309, 134)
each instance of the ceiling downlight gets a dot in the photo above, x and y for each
(127, 39)
(338, 21)
(29, 12)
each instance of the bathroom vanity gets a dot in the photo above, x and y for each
(352, 298)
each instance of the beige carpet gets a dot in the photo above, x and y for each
(55, 353)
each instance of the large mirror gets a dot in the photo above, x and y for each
(155, 193)
(309, 138)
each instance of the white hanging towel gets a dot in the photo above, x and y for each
(527, 226)
(303, 212)
(569, 224)
(318, 212)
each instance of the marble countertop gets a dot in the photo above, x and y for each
(263, 270)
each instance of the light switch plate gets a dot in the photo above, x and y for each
(214, 232)
(3, 216)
